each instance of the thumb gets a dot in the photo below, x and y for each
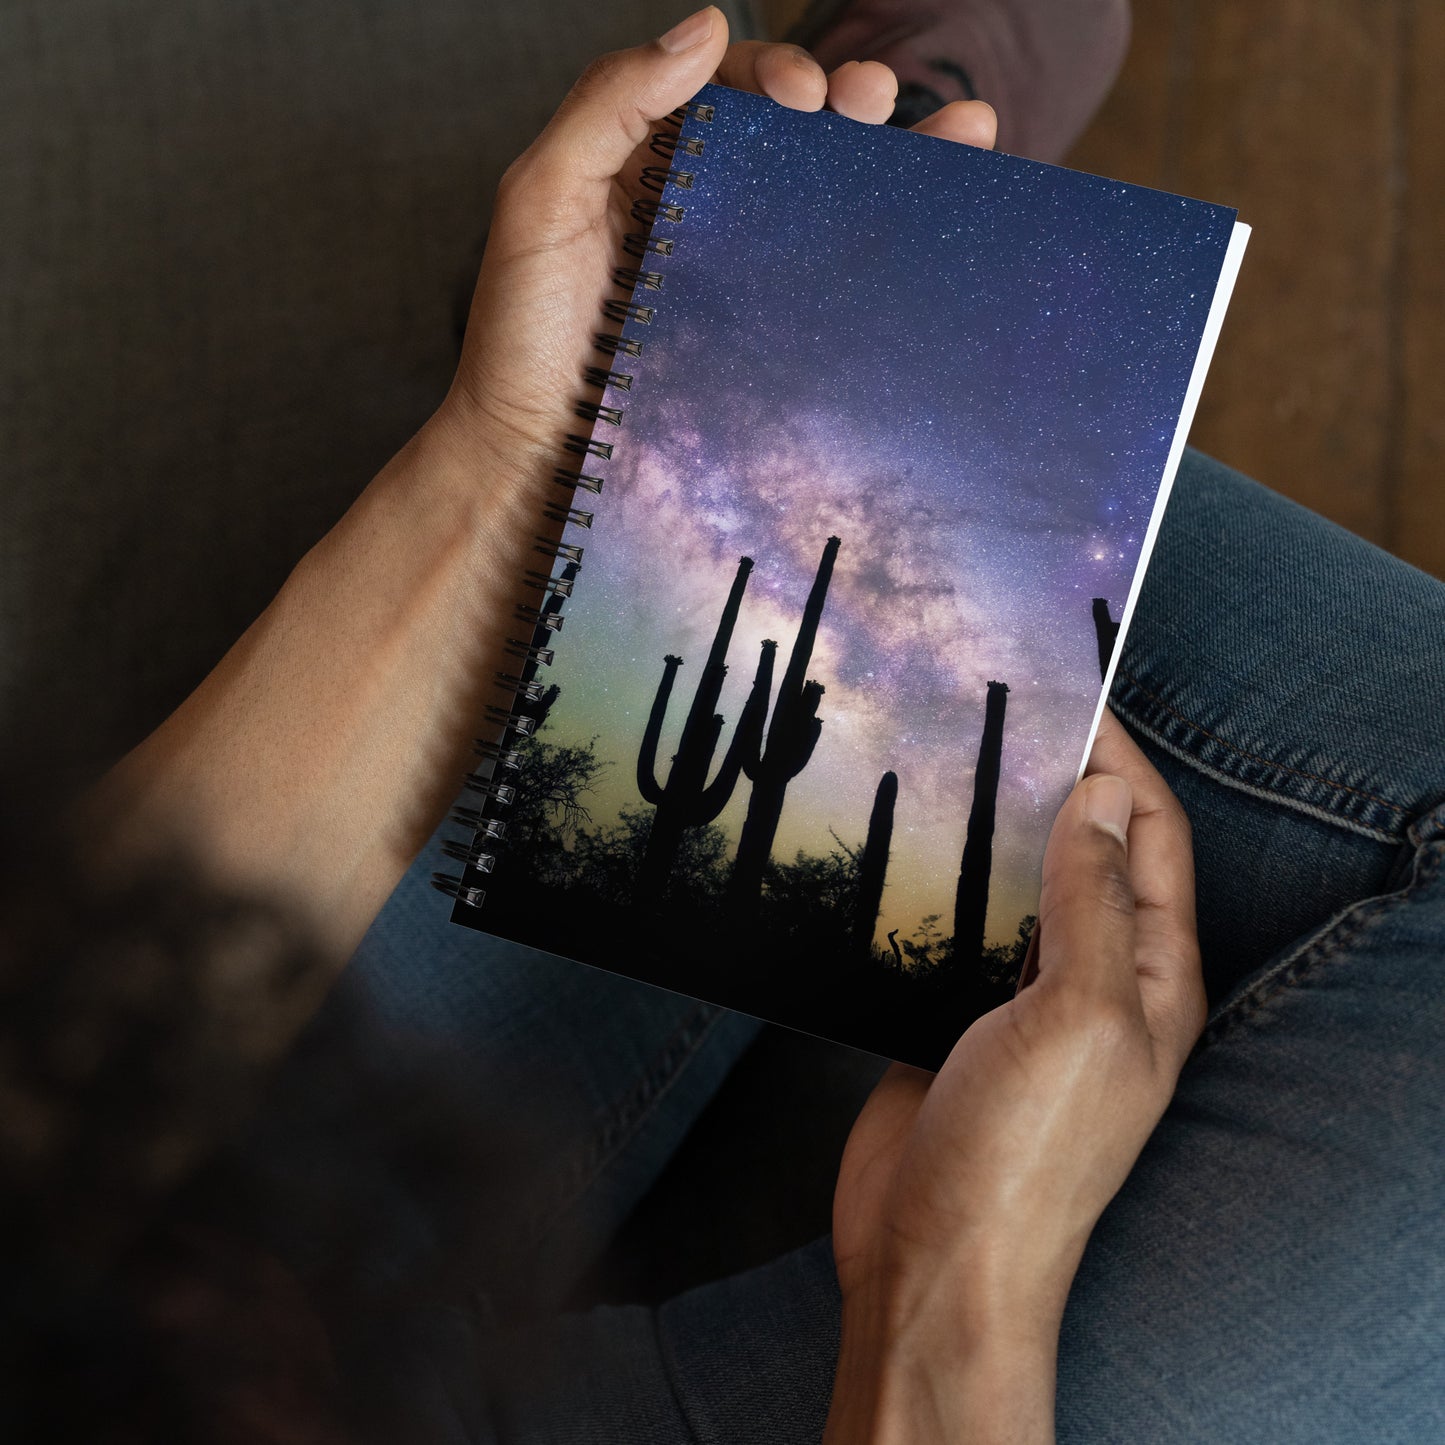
(616, 102)
(1086, 911)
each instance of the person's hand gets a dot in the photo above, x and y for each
(965, 1200)
(563, 209)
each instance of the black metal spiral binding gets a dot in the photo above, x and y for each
(539, 617)
(649, 211)
(667, 143)
(530, 699)
(588, 446)
(639, 245)
(479, 823)
(573, 479)
(592, 411)
(471, 896)
(600, 376)
(544, 582)
(633, 278)
(628, 311)
(658, 178)
(617, 345)
(568, 516)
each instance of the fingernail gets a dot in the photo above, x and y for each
(1108, 803)
(687, 33)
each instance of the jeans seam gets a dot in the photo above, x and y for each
(624, 1117)
(1257, 757)
(1332, 938)
(1254, 789)
(670, 1373)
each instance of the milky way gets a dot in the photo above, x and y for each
(967, 367)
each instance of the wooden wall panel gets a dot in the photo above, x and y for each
(1129, 139)
(1288, 111)
(1418, 495)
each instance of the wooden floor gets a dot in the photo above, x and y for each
(1323, 122)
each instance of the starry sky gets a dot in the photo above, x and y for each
(966, 366)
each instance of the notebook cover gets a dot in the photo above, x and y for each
(935, 396)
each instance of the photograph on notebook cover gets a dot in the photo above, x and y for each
(881, 484)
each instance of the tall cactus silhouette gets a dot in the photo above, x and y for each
(1106, 633)
(792, 736)
(687, 799)
(970, 906)
(873, 866)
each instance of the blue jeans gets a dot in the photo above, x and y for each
(1273, 1269)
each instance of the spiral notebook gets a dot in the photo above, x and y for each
(862, 490)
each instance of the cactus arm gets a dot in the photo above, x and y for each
(792, 735)
(647, 783)
(808, 727)
(802, 653)
(747, 739)
(811, 735)
(678, 801)
(717, 656)
(750, 747)
(714, 798)
(699, 734)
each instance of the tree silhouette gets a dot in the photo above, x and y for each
(928, 948)
(1002, 962)
(810, 901)
(550, 812)
(607, 861)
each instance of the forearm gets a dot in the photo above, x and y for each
(316, 758)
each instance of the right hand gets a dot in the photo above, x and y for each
(965, 1200)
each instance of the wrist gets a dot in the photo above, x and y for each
(479, 482)
(963, 1354)
(951, 1377)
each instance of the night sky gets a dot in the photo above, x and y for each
(966, 366)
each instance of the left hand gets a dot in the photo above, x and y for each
(562, 211)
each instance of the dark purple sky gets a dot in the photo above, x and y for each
(966, 366)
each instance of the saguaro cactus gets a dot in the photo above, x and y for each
(792, 736)
(970, 907)
(874, 864)
(1106, 632)
(687, 799)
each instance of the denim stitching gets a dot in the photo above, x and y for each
(649, 1089)
(1253, 790)
(671, 1373)
(1330, 941)
(626, 1116)
(1256, 757)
